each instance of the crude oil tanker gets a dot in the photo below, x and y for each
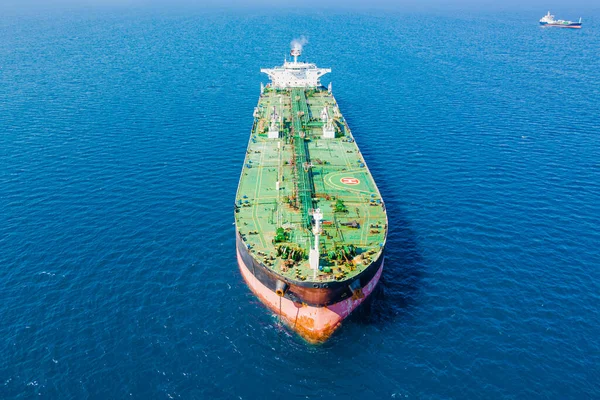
(311, 225)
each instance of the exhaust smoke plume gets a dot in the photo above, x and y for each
(298, 43)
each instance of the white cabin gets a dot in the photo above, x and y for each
(294, 74)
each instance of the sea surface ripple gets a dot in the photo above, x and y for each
(123, 135)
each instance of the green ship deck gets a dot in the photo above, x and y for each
(285, 179)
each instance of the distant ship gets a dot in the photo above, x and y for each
(311, 224)
(548, 20)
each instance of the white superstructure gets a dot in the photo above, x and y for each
(548, 18)
(295, 74)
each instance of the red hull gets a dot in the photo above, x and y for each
(315, 324)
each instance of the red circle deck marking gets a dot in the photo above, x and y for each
(350, 181)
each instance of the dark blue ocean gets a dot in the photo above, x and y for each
(122, 138)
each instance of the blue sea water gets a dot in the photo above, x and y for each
(122, 139)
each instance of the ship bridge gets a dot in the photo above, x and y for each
(294, 74)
